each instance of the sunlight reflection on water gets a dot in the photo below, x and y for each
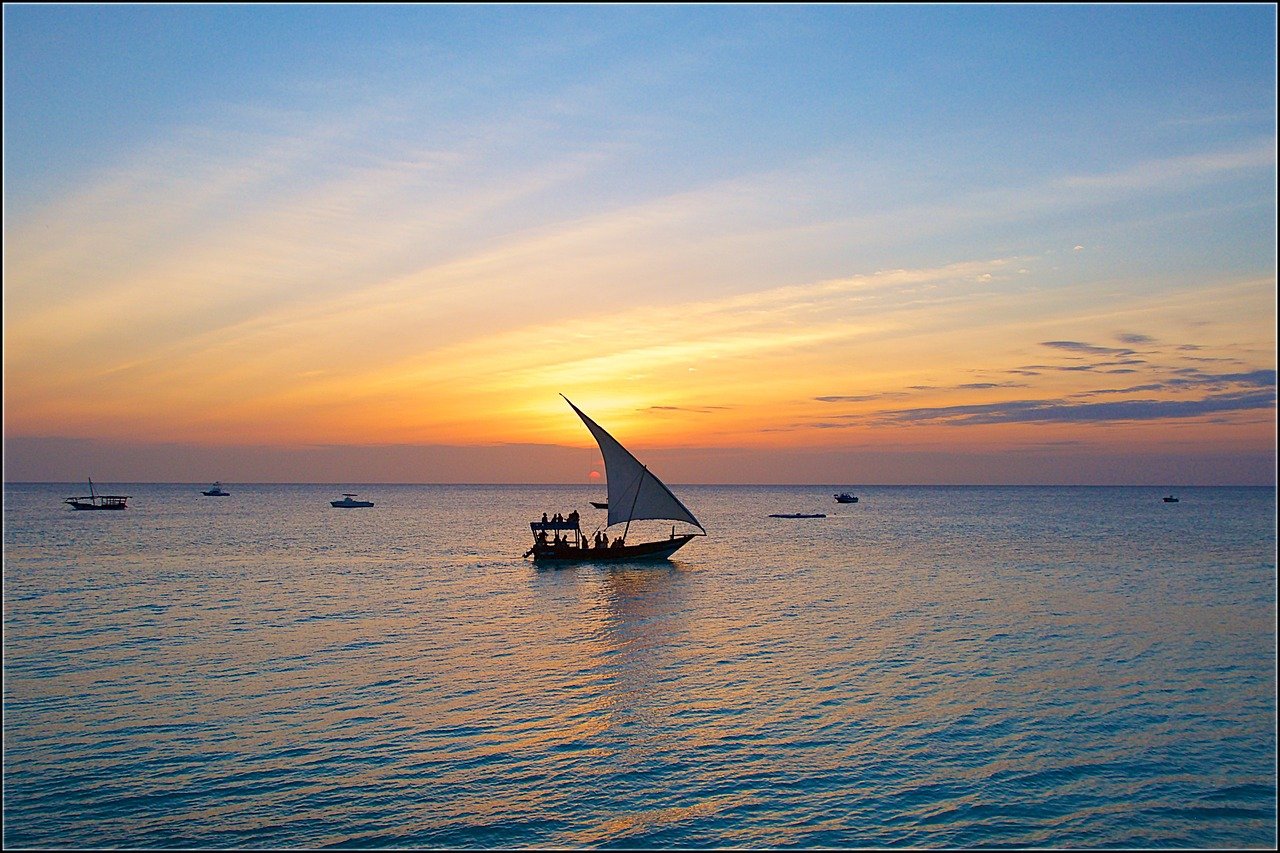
(929, 667)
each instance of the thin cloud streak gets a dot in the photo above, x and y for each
(1179, 171)
(1056, 411)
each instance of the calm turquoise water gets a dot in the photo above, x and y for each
(1003, 667)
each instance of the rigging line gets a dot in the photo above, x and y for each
(644, 470)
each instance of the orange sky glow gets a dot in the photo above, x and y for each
(289, 272)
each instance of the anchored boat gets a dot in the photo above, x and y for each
(635, 494)
(97, 501)
(349, 501)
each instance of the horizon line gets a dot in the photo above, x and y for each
(718, 485)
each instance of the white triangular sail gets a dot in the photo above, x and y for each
(634, 492)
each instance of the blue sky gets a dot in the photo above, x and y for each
(227, 200)
(1012, 90)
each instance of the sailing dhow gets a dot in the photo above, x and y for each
(635, 494)
(96, 501)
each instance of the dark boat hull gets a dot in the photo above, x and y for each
(660, 550)
(96, 506)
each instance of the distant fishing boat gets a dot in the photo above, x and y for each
(216, 491)
(846, 498)
(348, 501)
(635, 494)
(600, 504)
(798, 515)
(97, 501)
(1170, 499)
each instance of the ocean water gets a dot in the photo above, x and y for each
(929, 667)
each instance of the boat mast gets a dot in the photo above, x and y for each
(639, 480)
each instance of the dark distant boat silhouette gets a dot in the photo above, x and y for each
(635, 494)
(600, 504)
(97, 501)
(215, 491)
(348, 501)
(1170, 500)
(846, 498)
(798, 515)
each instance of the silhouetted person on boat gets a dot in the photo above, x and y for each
(544, 518)
(573, 518)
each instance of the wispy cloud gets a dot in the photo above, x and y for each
(1058, 411)
(1077, 346)
(699, 410)
(1178, 171)
(895, 395)
(1188, 392)
(861, 398)
(1219, 381)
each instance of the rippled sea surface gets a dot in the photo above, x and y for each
(959, 667)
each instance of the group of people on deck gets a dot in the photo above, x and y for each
(600, 541)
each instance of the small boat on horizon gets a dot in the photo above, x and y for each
(846, 498)
(215, 491)
(1170, 499)
(600, 504)
(97, 501)
(348, 501)
(798, 515)
(635, 494)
